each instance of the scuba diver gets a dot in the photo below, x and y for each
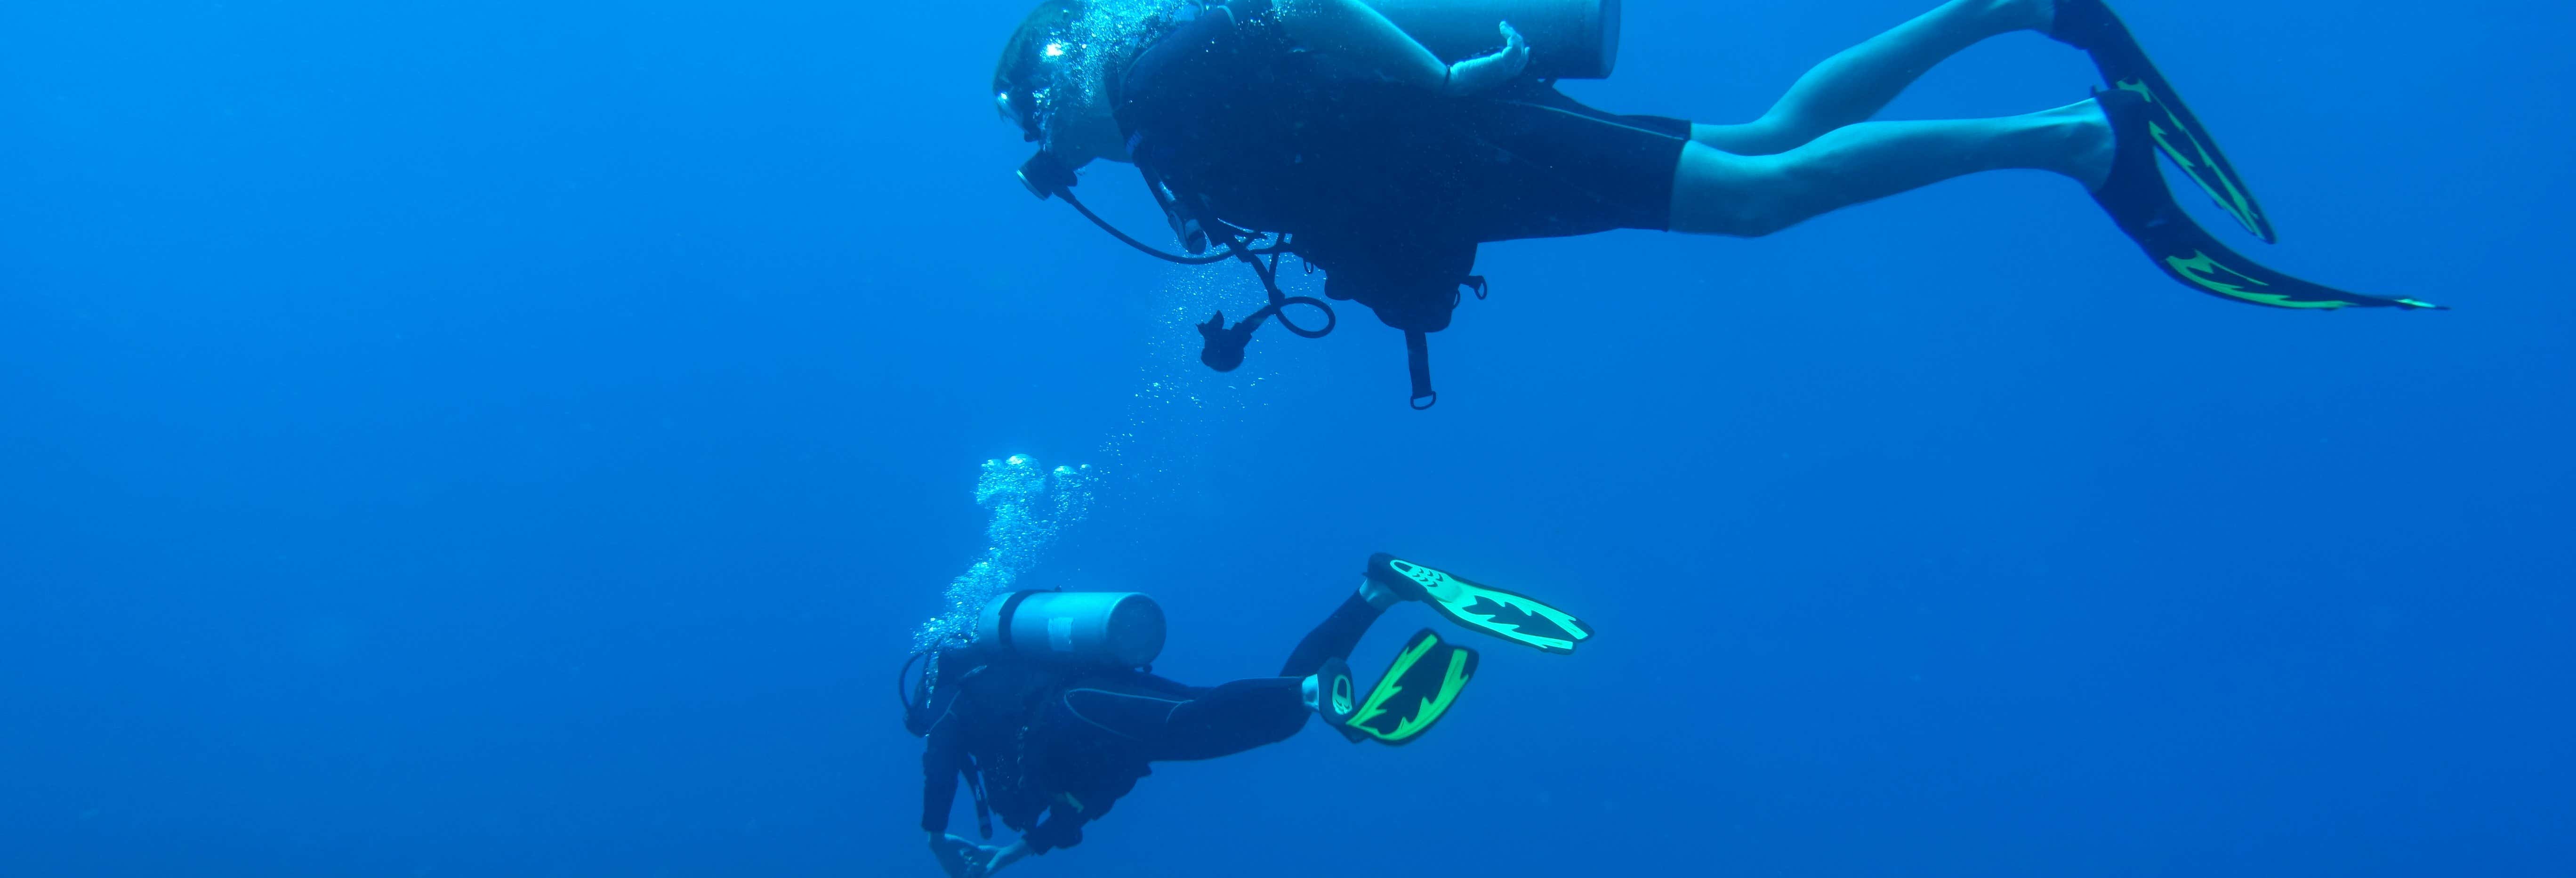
(1049, 713)
(1381, 141)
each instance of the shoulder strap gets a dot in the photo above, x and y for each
(974, 774)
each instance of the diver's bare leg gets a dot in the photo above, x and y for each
(1854, 85)
(1721, 193)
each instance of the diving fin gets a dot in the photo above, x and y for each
(1416, 692)
(2135, 196)
(1478, 607)
(2090, 25)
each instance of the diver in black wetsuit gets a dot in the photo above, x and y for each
(1322, 129)
(1049, 717)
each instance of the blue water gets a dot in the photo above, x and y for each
(487, 438)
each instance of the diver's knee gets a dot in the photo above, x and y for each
(1763, 215)
(1286, 724)
(1716, 193)
(1734, 214)
(1768, 135)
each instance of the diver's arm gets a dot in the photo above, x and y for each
(941, 762)
(1352, 33)
(943, 758)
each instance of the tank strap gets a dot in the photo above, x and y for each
(974, 774)
(1417, 359)
(1417, 349)
(1010, 605)
(916, 698)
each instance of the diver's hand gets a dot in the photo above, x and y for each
(957, 856)
(1479, 74)
(996, 858)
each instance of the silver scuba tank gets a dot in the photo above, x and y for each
(1568, 39)
(1122, 629)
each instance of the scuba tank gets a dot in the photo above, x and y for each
(1568, 39)
(1120, 629)
(1050, 628)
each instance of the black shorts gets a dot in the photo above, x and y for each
(1375, 163)
(1533, 163)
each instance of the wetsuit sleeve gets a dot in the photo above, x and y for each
(1339, 634)
(941, 762)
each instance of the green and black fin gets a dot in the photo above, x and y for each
(2136, 198)
(1415, 693)
(2090, 25)
(1514, 617)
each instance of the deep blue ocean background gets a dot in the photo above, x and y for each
(488, 438)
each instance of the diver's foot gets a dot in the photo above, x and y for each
(2131, 189)
(2096, 143)
(1377, 594)
(2079, 141)
(1332, 695)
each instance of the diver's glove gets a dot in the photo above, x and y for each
(1476, 75)
(1221, 346)
(995, 858)
(957, 856)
